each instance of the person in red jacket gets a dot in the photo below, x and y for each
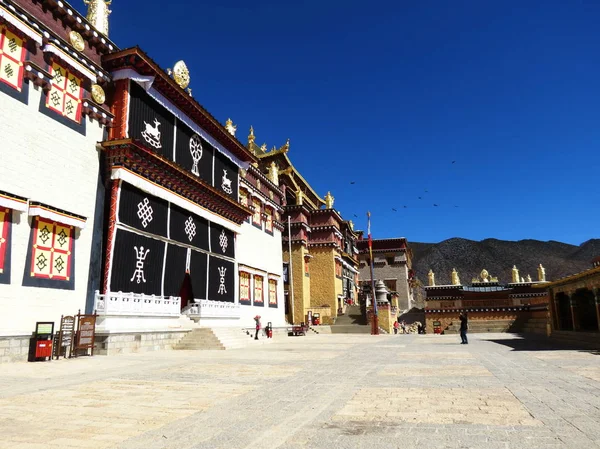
(257, 319)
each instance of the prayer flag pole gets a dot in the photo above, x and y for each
(375, 325)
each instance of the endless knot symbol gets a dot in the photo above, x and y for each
(9, 70)
(55, 99)
(45, 234)
(12, 44)
(140, 255)
(196, 152)
(222, 289)
(58, 76)
(190, 228)
(69, 107)
(42, 262)
(145, 212)
(62, 237)
(223, 241)
(73, 85)
(59, 264)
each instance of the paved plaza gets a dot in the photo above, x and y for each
(318, 391)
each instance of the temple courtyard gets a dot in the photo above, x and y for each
(318, 391)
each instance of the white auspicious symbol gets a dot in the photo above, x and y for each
(223, 241)
(222, 290)
(190, 228)
(140, 255)
(145, 212)
(226, 183)
(152, 134)
(196, 152)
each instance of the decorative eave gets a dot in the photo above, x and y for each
(135, 59)
(297, 207)
(527, 295)
(252, 190)
(569, 279)
(324, 244)
(49, 36)
(256, 172)
(300, 224)
(131, 155)
(480, 309)
(79, 23)
(333, 212)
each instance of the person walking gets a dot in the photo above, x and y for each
(257, 319)
(396, 326)
(464, 326)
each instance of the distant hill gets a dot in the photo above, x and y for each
(498, 257)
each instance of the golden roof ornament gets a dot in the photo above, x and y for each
(541, 273)
(515, 274)
(485, 276)
(431, 276)
(181, 75)
(251, 136)
(230, 127)
(263, 148)
(455, 278)
(77, 41)
(351, 224)
(273, 174)
(329, 200)
(299, 197)
(98, 13)
(98, 94)
(529, 278)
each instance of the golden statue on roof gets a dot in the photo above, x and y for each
(431, 276)
(329, 199)
(541, 273)
(515, 274)
(484, 276)
(455, 278)
(98, 13)
(230, 127)
(274, 173)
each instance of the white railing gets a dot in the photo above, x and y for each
(134, 304)
(213, 309)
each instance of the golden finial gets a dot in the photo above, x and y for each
(351, 224)
(329, 200)
(181, 74)
(251, 136)
(98, 13)
(431, 278)
(455, 278)
(286, 147)
(230, 127)
(263, 147)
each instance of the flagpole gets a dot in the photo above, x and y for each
(290, 275)
(375, 325)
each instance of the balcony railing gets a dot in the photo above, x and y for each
(134, 304)
(213, 309)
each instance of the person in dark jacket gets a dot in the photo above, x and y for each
(464, 325)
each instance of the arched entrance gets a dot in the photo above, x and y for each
(586, 308)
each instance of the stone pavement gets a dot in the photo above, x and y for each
(319, 391)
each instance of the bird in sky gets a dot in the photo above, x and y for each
(404, 207)
(435, 205)
(356, 215)
(455, 206)
(352, 182)
(426, 191)
(420, 198)
(453, 162)
(394, 210)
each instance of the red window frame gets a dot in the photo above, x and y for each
(257, 217)
(272, 292)
(11, 58)
(245, 288)
(66, 89)
(260, 301)
(49, 250)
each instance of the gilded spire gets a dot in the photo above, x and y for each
(251, 136)
(98, 13)
(230, 127)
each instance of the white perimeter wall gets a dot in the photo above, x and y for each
(45, 161)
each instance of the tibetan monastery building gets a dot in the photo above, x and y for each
(392, 264)
(181, 235)
(322, 265)
(490, 304)
(53, 112)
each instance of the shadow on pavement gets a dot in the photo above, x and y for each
(537, 343)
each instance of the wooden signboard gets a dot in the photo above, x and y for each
(86, 333)
(64, 341)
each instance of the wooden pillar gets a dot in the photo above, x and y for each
(574, 311)
(555, 304)
(596, 292)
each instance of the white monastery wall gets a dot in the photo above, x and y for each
(46, 161)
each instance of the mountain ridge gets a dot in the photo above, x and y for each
(498, 256)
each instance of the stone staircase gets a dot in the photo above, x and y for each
(482, 326)
(352, 322)
(220, 338)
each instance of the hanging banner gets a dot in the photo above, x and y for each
(137, 264)
(222, 241)
(188, 228)
(149, 122)
(226, 176)
(175, 267)
(194, 153)
(221, 280)
(198, 266)
(143, 211)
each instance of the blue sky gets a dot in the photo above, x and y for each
(388, 94)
